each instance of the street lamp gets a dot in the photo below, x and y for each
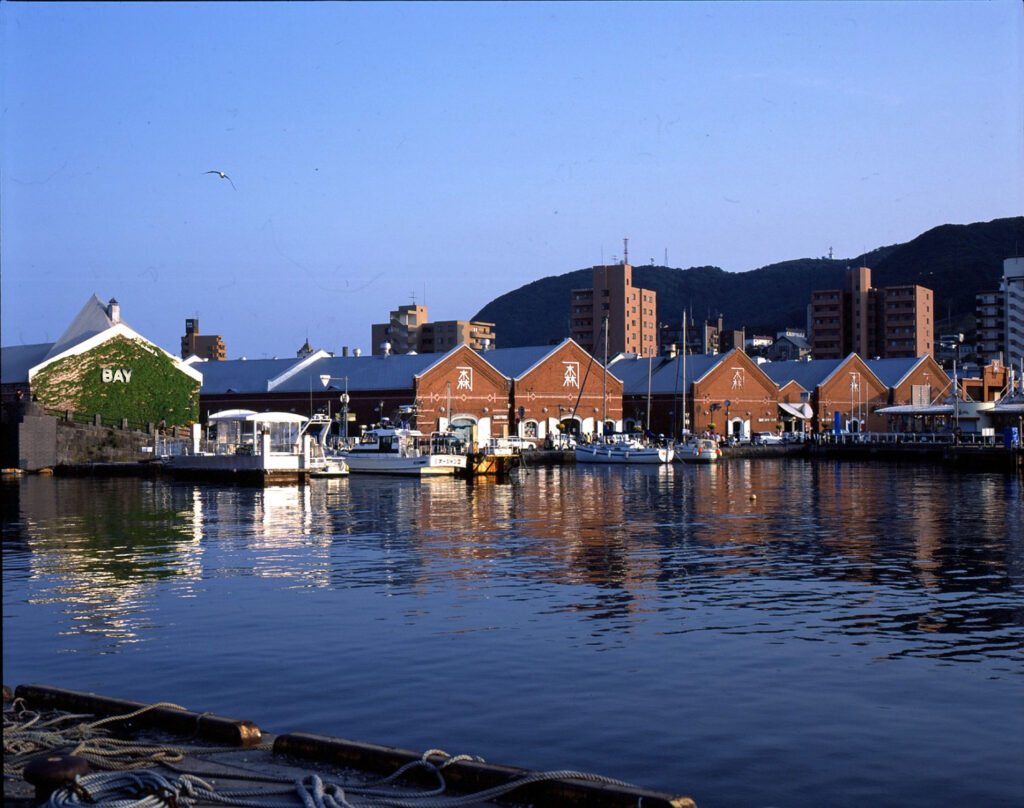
(326, 379)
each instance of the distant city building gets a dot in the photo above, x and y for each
(989, 318)
(707, 339)
(999, 317)
(1013, 289)
(409, 330)
(631, 313)
(210, 347)
(789, 345)
(893, 322)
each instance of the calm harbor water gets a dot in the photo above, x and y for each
(769, 632)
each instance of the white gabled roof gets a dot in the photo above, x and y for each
(90, 321)
(92, 326)
(304, 363)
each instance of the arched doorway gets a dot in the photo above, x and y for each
(464, 428)
(570, 425)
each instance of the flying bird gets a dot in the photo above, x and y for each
(222, 175)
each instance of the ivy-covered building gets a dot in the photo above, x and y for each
(101, 366)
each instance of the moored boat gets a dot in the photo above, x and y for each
(622, 451)
(391, 450)
(699, 450)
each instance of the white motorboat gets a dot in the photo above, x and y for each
(622, 451)
(699, 450)
(390, 450)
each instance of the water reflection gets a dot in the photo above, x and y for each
(101, 550)
(873, 554)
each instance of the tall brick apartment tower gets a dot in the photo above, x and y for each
(210, 347)
(632, 313)
(897, 321)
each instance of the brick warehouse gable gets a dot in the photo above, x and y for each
(853, 390)
(470, 385)
(734, 391)
(566, 385)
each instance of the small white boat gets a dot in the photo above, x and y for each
(390, 450)
(333, 466)
(699, 450)
(622, 451)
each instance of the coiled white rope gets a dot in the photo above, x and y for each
(148, 789)
(29, 734)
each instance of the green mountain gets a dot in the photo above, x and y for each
(955, 261)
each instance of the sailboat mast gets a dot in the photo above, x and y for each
(683, 429)
(650, 361)
(604, 389)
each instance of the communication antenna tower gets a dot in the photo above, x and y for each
(625, 251)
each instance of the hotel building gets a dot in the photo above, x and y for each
(409, 330)
(631, 313)
(897, 321)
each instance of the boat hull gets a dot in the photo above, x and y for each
(703, 451)
(422, 466)
(620, 455)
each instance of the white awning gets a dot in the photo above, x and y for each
(803, 410)
(933, 410)
(250, 416)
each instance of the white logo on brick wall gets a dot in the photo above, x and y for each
(737, 379)
(572, 374)
(465, 381)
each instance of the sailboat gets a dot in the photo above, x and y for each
(693, 449)
(618, 448)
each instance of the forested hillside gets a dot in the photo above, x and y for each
(955, 261)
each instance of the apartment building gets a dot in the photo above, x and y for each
(999, 316)
(409, 330)
(989, 318)
(891, 322)
(631, 313)
(709, 338)
(906, 322)
(210, 347)
(1013, 289)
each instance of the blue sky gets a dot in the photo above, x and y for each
(454, 152)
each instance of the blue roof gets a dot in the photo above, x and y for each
(395, 372)
(808, 374)
(891, 372)
(666, 373)
(17, 360)
(515, 362)
(240, 375)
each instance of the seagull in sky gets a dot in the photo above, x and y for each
(222, 175)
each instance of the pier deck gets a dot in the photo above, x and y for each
(233, 756)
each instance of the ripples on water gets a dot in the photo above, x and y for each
(760, 633)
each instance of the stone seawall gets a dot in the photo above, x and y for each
(79, 444)
(34, 440)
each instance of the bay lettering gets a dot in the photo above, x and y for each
(123, 375)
